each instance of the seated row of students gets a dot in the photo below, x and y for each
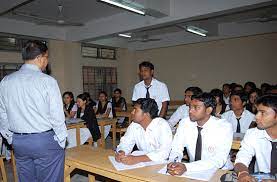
(88, 110)
(207, 138)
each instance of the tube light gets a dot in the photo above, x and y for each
(124, 6)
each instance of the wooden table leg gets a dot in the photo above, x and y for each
(67, 170)
(14, 166)
(91, 178)
(114, 134)
(3, 170)
(78, 139)
(103, 136)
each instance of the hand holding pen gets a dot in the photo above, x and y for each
(119, 155)
(176, 168)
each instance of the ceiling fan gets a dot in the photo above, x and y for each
(144, 38)
(267, 17)
(59, 21)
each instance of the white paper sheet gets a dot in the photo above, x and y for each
(199, 175)
(120, 166)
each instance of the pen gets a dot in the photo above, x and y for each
(174, 162)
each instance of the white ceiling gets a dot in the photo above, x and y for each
(102, 23)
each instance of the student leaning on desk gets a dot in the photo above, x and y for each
(260, 142)
(151, 134)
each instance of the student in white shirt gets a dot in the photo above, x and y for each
(238, 116)
(260, 142)
(149, 87)
(150, 133)
(183, 110)
(207, 139)
(226, 94)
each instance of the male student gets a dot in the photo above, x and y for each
(240, 118)
(150, 133)
(260, 142)
(183, 110)
(150, 87)
(207, 139)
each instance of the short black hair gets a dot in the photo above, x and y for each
(146, 64)
(258, 91)
(117, 90)
(32, 49)
(148, 105)
(103, 92)
(269, 101)
(226, 84)
(194, 90)
(83, 97)
(218, 93)
(251, 84)
(242, 95)
(208, 100)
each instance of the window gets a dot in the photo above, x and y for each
(8, 68)
(98, 52)
(96, 79)
(13, 43)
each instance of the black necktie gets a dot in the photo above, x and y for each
(147, 92)
(198, 149)
(238, 126)
(273, 166)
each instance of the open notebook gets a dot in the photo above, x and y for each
(119, 166)
(205, 175)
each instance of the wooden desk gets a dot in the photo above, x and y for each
(77, 126)
(95, 160)
(107, 121)
(127, 114)
(236, 143)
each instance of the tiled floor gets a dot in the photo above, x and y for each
(79, 176)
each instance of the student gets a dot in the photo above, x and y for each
(150, 87)
(150, 133)
(86, 113)
(226, 93)
(253, 96)
(68, 104)
(207, 139)
(220, 104)
(103, 108)
(249, 86)
(240, 118)
(118, 102)
(260, 142)
(183, 110)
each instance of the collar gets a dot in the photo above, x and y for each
(30, 67)
(206, 125)
(242, 115)
(152, 82)
(263, 135)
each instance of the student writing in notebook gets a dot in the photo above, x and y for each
(207, 138)
(150, 133)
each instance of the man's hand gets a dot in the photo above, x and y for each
(130, 160)
(119, 155)
(176, 168)
(246, 178)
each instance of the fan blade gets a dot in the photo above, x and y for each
(34, 17)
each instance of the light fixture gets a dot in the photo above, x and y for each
(197, 30)
(125, 5)
(127, 35)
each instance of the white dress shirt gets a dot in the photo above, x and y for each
(31, 102)
(217, 137)
(158, 91)
(246, 119)
(155, 140)
(256, 143)
(181, 112)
